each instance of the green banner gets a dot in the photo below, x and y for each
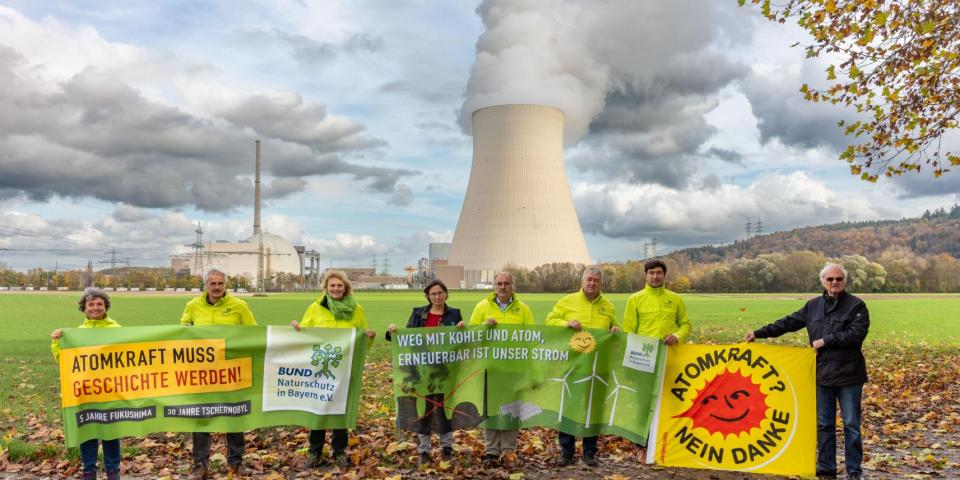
(131, 381)
(582, 383)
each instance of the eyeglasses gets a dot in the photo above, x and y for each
(437, 294)
(833, 279)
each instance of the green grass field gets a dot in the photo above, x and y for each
(29, 376)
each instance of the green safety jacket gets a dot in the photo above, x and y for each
(229, 310)
(516, 313)
(600, 313)
(106, 322)
(318, 315)
(656, 312)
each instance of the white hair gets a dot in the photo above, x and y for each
(504, 272)
(213, 269)
(823, 272)
(594, 269)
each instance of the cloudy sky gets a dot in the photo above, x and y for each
(123, 126)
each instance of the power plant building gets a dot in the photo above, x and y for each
(518, 210)
(243, 258)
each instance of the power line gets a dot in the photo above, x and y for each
(198, 251)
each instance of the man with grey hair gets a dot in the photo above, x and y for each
(501, 307)
(215, 307)
(587, 308)
(837, 325)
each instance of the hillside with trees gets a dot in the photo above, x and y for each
(932, 234)
(907, 255)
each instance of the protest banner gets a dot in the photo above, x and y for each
(745, 407)
(131, 381)
(582, 383)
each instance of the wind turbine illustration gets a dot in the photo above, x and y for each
(593, 376)
(615, 393)
(566, 387)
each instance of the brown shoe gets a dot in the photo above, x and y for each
(238, 470)
(200, 471)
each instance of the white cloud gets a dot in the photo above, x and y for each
(91, 124)
(346, 249)
(684, 217)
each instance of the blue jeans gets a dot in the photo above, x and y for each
(111, 455)
(849, 398)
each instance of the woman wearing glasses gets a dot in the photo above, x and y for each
(434, 314)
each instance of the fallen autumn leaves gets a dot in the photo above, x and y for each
(910, 426)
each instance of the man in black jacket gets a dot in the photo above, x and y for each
(837, 325)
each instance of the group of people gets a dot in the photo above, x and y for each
(336, 308)
(837, 323)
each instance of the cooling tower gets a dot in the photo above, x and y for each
(518, 209)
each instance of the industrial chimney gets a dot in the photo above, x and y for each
(518, 209)
(256, 194)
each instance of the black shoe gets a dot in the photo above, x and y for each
(490, 460)
(591, 460)
(565, 460)
(424, 458)
(446, 453)
(341, 460)
(855, 476)
(317, 461)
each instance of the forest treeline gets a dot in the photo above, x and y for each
(907, 255)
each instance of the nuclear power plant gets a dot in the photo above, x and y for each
(258, 258)
(518, 209)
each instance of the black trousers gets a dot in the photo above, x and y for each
(201, 447)
(338, 443)
(568, 445)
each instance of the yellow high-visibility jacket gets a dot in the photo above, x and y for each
(656, 312)
(600, 313)
(516, 313)
(229, 310)
(106, 322)
(317, 315)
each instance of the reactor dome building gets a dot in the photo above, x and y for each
(258, 258)
(518, 209)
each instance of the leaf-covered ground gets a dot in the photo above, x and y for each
(911, 425)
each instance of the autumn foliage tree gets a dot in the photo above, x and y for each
(898, 66)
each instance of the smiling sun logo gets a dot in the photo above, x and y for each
(729, 404)
(583, 342)
(743, 407)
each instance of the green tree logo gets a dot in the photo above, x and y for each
(647, 348)
(326, 357)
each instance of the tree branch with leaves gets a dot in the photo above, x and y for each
(899, 67)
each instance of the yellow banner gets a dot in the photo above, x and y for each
(129, 371)
(746, 407)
